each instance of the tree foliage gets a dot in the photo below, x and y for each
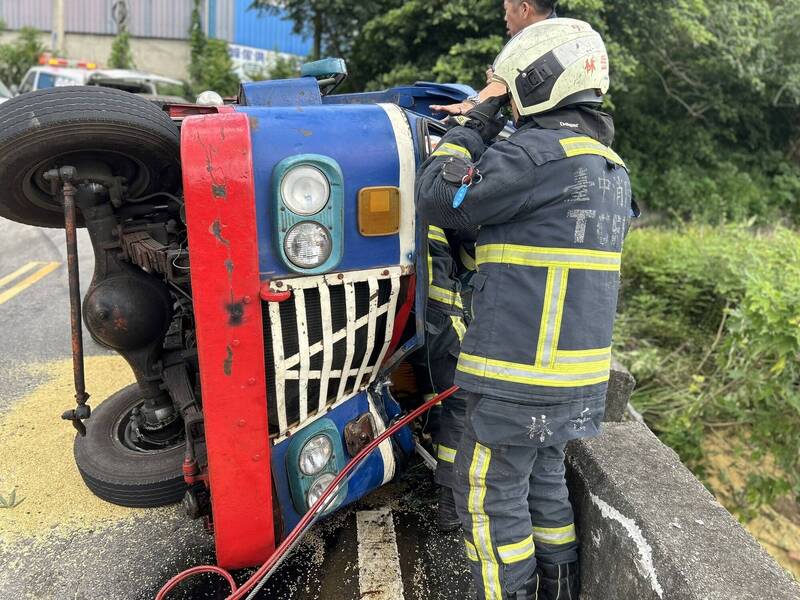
(210, 66)
(197, 45)
(710, 327)
(121, 54)
(217, 69)
(19, 55)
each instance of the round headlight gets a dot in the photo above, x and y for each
(315, 454)
(318, 487)
(308, 245)
(305, 190)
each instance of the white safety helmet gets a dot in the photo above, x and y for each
(553, 63)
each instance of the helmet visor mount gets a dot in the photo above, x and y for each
(535, 84)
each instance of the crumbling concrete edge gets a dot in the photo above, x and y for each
(651, 531)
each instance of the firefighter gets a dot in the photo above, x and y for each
(445, 324)
(519, 14)
(553, 203)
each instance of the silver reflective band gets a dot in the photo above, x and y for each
(513, 553)
(533, 256)
(555, 535)
(523, 372)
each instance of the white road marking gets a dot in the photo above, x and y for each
(378, 560)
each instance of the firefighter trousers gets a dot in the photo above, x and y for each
(447, 434)
(514, 507)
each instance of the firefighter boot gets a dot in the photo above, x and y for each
(558, 582)
(447, 518)
(529, 591)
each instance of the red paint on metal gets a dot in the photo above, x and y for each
(267, 295)
(216, 149)
(401, 319)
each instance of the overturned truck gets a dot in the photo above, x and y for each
(256, 264)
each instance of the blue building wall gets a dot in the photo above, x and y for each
(267, 31)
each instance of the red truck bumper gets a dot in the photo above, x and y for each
(221, 219)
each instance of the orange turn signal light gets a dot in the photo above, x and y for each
(379, 211)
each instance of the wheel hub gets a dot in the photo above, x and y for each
(134, 434)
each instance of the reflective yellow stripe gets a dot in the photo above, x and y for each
(572, 357)
(445, 296)
(472, 554)
(562, 296)
(514, 553)
(548, 301)
(437, 234)
(440, 294)
(555, 535)
(570, 375)
(534, 256)
(446, 454)
(481, 529)
(576, 146)
(554, 294)
(466, 259)
(458, 325)
(448, 149)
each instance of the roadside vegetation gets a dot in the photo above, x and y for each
(17, 56)
(710, 325)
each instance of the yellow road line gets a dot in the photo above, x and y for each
(28, 281)
(21, 271)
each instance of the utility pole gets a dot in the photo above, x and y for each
(57, 39)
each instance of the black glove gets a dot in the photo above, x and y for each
(487, 119)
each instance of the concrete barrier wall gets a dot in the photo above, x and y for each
(651, 531)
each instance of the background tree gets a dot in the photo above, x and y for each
(18, 56)
(210, 66)
(121, 55)
(197, 45)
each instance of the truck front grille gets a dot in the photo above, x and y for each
(326, 343)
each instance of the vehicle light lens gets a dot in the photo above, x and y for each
(318, 487)
(315, 454)
(305, 190)
(379, 211)
(308, 245)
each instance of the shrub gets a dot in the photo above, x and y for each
(20, 55)
(710, 326)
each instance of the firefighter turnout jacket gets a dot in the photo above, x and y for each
(553, 205)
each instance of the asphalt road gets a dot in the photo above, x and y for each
(59, 541)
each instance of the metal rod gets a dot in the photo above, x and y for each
(70, 220)
(64, 176)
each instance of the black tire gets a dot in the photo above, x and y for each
(86, 124)
(118, 474)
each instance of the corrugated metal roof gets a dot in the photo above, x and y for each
(26, 13)
(230, 21)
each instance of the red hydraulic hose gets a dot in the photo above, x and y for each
(238, 594)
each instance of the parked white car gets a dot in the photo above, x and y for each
(148, 85)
